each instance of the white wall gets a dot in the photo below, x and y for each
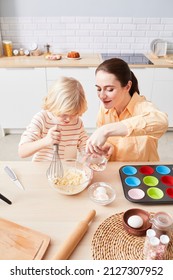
(87, 25)
(118, 8)
(88, 34)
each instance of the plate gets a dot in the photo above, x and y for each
(53, 57)
(73, 58)
(154, 42)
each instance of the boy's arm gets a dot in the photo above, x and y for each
(29, 148)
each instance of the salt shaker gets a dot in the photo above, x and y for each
(149, 233)
(161, 252)
(153, 244)
(162, 223)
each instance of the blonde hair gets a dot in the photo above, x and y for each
(66, 96)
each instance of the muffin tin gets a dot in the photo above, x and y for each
(148, 183)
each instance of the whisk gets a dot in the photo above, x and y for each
(55, 169)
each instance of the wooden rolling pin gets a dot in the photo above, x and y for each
(74, 238)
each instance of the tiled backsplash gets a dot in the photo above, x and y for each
(87, 34)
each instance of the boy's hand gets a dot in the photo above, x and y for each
(53, 136)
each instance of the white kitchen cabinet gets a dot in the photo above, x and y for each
(21, 92)
(86, 75)
(145, 80)
(162, 93)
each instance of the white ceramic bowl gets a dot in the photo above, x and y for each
(77, 177)
(101, 193)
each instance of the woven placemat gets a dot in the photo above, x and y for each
(112, 242)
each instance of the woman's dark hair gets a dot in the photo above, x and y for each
(121, 70)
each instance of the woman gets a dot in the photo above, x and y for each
(126, 120)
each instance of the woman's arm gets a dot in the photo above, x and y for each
(148, 120)
(153, 124)
(98, 138)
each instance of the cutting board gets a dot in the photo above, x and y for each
(21, 243)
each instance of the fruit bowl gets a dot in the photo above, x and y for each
(77, 177)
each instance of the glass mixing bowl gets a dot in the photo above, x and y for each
(77, 176)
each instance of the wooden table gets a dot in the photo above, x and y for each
(41, 208)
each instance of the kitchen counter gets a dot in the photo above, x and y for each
(161, 62)
(41, 208)
(87, 60)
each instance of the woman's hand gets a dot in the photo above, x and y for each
(96, 141)
(108, 149)
(53, 136)
(98, 138)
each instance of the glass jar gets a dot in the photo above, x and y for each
(15, 52)
(7, 48)
(164, 241)
(162, 223)
(149, 233)
(151, 252)
(21, 51)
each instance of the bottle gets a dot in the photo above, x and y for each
(21, 51)
(15, 52)
(47, 46)
(149, 233)
(26, 52)
(161, 252)
(0, 45)
(151, 253)
(162, 223)
(7, 48)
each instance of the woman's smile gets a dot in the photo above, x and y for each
(106, 102)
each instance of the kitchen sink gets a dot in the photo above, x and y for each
(130, 58)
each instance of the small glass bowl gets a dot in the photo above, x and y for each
(96, 162)
(101, 193)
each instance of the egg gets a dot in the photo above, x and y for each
(101, 190)
(135, 221)
(100, 195)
